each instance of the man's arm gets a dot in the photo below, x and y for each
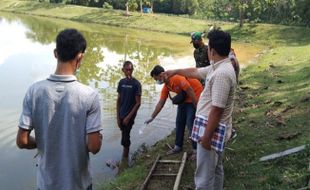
(190, 92)
(213, 123)
(117, 110)
(133, 110)
(94, 141)
(24, 140)
(189, 73)
(158, 108)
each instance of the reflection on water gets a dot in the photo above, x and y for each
(26, 46)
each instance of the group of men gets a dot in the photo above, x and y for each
(65, 114)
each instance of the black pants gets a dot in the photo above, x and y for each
(90, 187)
(126, 132)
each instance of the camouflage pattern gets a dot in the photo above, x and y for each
(201, 56)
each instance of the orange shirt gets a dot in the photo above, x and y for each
(177, 83)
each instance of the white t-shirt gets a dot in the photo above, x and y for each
(219, 91)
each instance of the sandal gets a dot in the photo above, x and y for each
(175, 150)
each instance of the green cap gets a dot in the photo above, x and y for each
(196, 36)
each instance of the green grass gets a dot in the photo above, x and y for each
(271, 102)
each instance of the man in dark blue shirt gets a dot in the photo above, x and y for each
(128, 103)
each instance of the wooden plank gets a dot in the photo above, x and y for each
(178, 179)
(168, 175)
(284, 153)
(144, 185)
(169, 161)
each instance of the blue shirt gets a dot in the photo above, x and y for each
(128, 89)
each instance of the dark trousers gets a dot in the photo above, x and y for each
(185, 116)
(90, 187)
(126, 132)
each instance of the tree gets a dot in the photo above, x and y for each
(303, 11)
(242, 5)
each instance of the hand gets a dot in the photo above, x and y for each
(148, 121)
(205, 142)
(126, 121)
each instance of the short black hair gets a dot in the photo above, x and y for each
(127, 63)
(157, 70)
(220, 41)
(69, 43)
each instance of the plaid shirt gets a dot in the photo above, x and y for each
(218, 138)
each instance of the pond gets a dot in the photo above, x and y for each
(26, 46)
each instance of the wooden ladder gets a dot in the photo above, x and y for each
(169, 172)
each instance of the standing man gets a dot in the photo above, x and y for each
(186, 110)
(66, 118)
(213, 122)
(201, 50)
(127, 105)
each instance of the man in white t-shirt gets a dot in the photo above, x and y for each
(213, 123)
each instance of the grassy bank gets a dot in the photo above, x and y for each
(268, 34)
(272, 108)
(154, 22)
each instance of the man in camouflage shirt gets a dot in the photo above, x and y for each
(201, 51)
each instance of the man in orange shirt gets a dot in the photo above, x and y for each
(185, 111)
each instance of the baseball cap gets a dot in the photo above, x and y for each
(196, 36)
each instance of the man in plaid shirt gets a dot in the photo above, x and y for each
(213, 123)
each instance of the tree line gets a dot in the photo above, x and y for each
(267, 11)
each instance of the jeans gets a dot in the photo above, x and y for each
(185, 116)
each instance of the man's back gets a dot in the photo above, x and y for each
(63, 112)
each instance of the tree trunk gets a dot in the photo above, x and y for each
(127, 8)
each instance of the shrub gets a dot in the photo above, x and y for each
(106, 5)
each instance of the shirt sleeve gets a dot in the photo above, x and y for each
(203, 72)
(93, 120)
(220, 89)
(164, 93)
(25, 120)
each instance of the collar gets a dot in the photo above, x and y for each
(62, 78)
(215, 65)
